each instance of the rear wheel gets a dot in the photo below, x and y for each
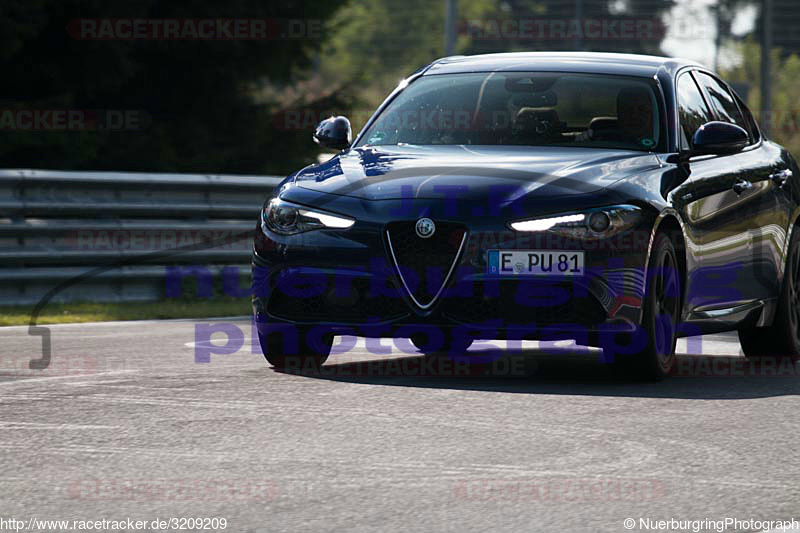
(662, 305)
(781, 340)
(305, 356)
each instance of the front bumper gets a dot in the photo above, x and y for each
(346, 281)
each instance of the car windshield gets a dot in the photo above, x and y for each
(522, 108)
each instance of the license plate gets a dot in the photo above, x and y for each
(535, 263)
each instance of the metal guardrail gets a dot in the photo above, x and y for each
(55, 226)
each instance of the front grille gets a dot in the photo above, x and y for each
(523, 302)
(425, 263)
(337, 306)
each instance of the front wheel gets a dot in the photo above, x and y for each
(661, 312)
(307, 353)
(781, 340)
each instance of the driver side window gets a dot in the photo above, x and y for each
(692, 109)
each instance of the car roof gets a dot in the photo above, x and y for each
(588, 62)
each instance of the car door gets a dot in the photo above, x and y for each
(731, 206)
(777, 168)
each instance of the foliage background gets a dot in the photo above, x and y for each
(214, 104)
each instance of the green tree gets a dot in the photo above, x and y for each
(784, 121)
(199, 94)
(376, 43)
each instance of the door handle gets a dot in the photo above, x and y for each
(781, 177)
(742, 185)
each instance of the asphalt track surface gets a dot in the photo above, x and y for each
(125, 424)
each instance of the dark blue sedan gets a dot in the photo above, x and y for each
(620, 201)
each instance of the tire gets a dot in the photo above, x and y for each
(781, 340)
(660, 315)
(306, 356)
(451, 345)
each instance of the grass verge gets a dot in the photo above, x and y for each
(104, 312)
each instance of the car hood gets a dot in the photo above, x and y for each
(395, 172)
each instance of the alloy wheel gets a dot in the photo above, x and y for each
(666, 295)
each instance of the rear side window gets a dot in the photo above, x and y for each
(692, 109)
(721, 100)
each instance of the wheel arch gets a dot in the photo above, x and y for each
(670, 223)
(794, 226)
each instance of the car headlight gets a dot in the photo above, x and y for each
(287, 218)
(592, 224)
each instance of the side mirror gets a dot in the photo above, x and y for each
(719, 138)
(334, 133)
